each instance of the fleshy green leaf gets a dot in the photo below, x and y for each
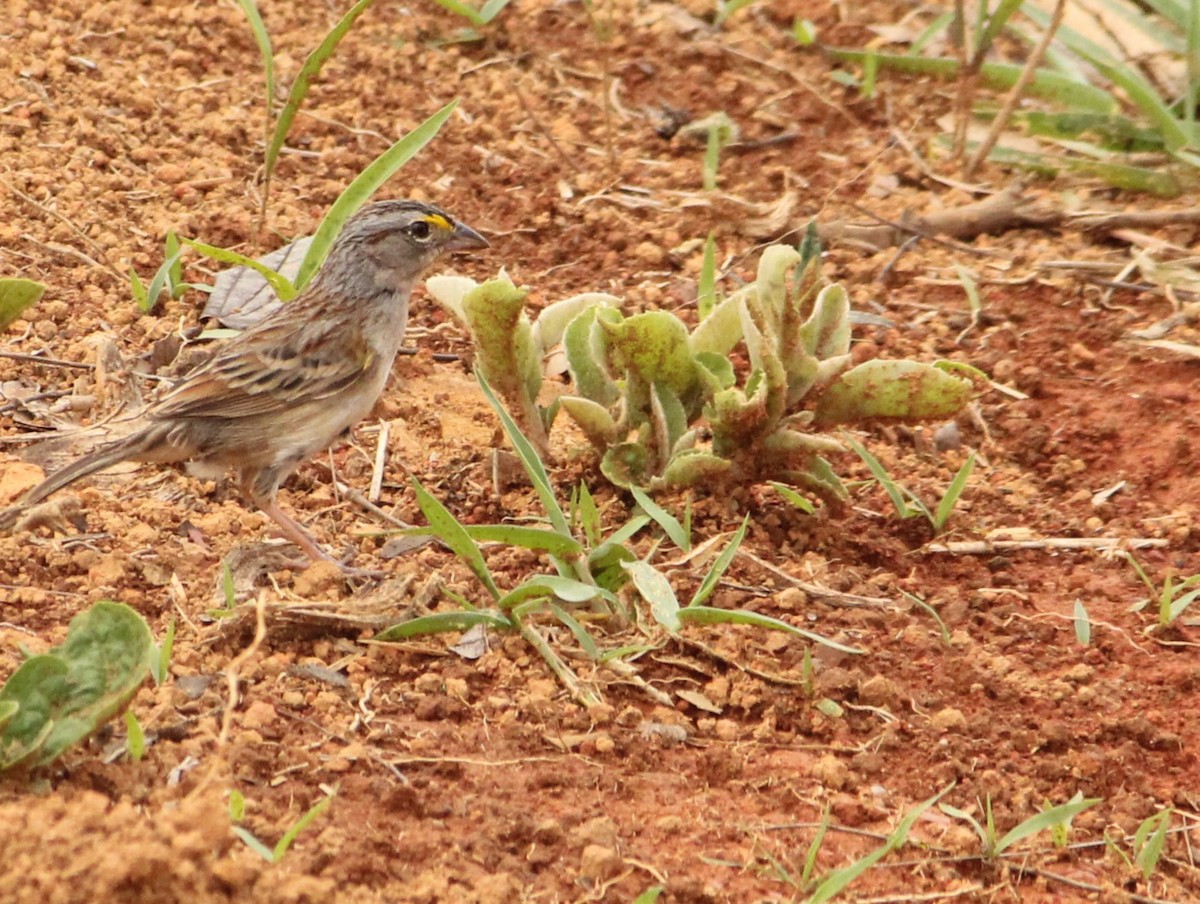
(16, 295)
(893, 389)
(66, 694)
(441, 623)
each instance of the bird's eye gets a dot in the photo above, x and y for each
(419, 230)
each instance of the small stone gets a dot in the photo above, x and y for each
(949, 719)
(831, 772)
(599, 863)
(258, 715)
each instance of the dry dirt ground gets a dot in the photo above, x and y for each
(480, 779)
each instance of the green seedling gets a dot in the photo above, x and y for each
(707, 294)
(56, 699)
(477, 17)
(1149, 841)
(1057, 820)
(279, 851)
(726, 8)
(933, 613)
(1083, 625)
(278, 125)
(650, 895)
(1172, 598)
(16, 296)
(228, 594)
(793, 497)
(160, 663)
(590, 569)
(135, 738)
(906, 502)
(838, 880)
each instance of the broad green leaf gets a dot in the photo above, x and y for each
(592, 418)
(553, 320)
(449, 291)
(552, 586)
(377, 172)
(654, 345)
(526, 537)
(655, 589)
(721, 330)
(66, 694)
(892, 389)
(16, 295)
(441, 623)
(447, 528)
(586, 348)
(692, 467)
(626, 464)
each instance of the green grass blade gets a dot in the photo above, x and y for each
(664, 519)
(933, 613)
(1149, 840)
(254, 844)
(366, 184)
(447, 528)
(626, 531)
(529, 458)
(582, 637)
(706, 288)
(996, 22)
(539, 538)
(263, 40)
(441, 623)
(299, 90)
(894, 491)
(719, 566)
(280, 284)
(1047, 84)
(299, 826)
(727, 9)
(462, 9)
(175, 282)
(793, 497)
(953, 492)
(1047, 819)
(161, 666)
(707, 615)
(589, 516)
(490, 10)
(160, 281)
(837, 881)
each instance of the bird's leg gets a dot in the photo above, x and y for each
(293, 531)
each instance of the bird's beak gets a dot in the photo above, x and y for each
(464, 238)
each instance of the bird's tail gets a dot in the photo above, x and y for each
(128, 448)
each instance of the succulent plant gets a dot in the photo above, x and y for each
(665, 407)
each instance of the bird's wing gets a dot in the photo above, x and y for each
(276, 367)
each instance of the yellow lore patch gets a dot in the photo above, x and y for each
(436, 219)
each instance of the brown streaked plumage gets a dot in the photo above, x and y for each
(289, 385)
